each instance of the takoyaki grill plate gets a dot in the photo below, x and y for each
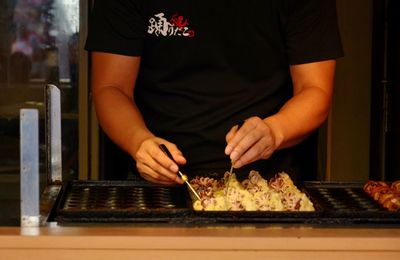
(121, 201)
(347, 202)
(336, 203)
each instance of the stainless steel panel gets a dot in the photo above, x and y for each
(29, 131)
(53, 134)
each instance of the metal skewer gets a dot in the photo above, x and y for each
(183, 176)
(232, 162)
(230, 174)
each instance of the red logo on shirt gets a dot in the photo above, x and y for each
(177, 25)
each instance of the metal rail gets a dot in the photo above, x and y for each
(53, 135)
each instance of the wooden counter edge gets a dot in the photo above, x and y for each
(154, 238)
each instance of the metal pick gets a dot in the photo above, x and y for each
(183, 176)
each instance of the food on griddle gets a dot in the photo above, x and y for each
(386, 195)
(371, 185)
(396, 186)
(252, 194)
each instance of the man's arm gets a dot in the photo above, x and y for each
(303, 113)
(310, 105)
(113, 81)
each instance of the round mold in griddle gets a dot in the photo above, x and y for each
(139, 205)
(353, 197)
(364, 201)
(141, 200)
(160, 204)
(71, 205)
(340, 207)
(324, 193)
(86, 190)
(372, 209)
(167, 204)
(159, 198)
(134, 206)
(112, 197)
(138, 189)
(368, 206)
(163, 191)
(349, 190)
(83, 206)
(331, 200)
(73, 199)
(327, 196)
(131, 200)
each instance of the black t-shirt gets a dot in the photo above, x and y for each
(208, 65)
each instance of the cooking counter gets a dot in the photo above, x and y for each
(212, 242)
(107, 229)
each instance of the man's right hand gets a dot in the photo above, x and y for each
(154, 165)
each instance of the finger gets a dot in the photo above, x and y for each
(263, 149)
(177, 154)
(243, 146)
(252, 131)
(254, 153)
(160, 164)
(157, 181)
(247, 136)
(149, 174)
(230, 136)
(231, 133)
(163, 159)
(170, 167)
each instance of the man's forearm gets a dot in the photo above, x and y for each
(310, 105)
(120, 118)
(299, 117)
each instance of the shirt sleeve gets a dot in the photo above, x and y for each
(312, 31)
(116, 26)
